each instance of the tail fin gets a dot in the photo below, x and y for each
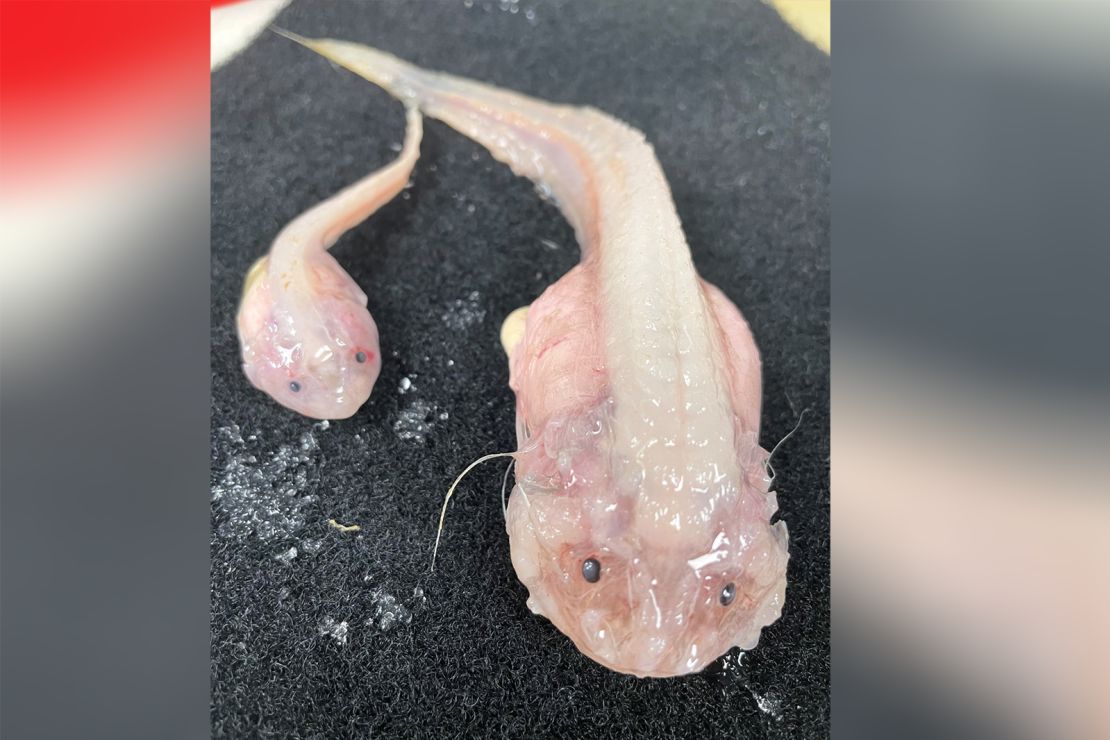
(551, 144)
(397, 77)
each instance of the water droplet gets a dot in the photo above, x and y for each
(544, 191)
(464, 313)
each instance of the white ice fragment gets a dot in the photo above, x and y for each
(388, 611)
(231, 434)
(308, 442)
(336, 630)
(267, 499)
(415, 422)
(767, 704)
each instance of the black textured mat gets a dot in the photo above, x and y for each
(332, 639)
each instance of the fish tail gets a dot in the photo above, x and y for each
(537, 139)
(399, 78)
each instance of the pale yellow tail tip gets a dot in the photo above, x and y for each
(512, 329)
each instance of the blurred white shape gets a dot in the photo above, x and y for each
(236, 25)
(1066, 39)
(82, 245)
(972, 529)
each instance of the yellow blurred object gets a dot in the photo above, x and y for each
(512, 329)
(810, 18)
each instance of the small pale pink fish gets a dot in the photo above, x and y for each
(307, 339)
(640, 518)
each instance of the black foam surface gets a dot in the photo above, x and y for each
(737, 107)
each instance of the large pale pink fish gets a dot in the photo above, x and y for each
(306, 337)
(640, 518)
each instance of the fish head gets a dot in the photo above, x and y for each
(643, 584)
(318, 356)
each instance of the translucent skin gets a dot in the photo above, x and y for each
(665, 559)
(638, 399)
(306, 337)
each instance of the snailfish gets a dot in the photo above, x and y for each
(306, 336)
(640, 516)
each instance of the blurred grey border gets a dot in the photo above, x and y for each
(970, 240)
(104, 468)
(972, 153)
(971, 368)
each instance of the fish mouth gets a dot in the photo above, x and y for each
(645, 658)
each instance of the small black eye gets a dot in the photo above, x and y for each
(360, 357)
(591, 570)
(294, 386)
(728, 594)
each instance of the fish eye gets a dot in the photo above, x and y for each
(591, 570)
(728, 594)
(360, 357)
(294, 386)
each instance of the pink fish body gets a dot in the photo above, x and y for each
(306, 336)
(640, 518)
